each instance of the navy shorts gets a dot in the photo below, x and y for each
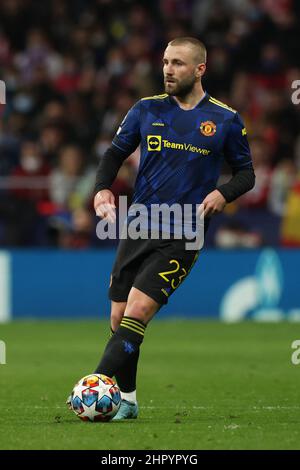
(155, 267)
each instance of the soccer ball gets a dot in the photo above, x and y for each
(96, 397)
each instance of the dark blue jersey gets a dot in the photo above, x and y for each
(182, 151)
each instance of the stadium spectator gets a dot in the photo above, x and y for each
(71, 183)
(29, 180)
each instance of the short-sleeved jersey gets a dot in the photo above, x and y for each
(182, 151)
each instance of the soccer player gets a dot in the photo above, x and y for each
(184, 136)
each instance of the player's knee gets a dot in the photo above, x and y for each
(139, 310)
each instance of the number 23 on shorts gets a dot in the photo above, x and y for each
(169, 276)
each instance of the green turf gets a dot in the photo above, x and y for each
(201, 385)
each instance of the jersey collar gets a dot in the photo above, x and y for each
(203, 100)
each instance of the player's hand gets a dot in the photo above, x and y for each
(214, 203)
(104, 205)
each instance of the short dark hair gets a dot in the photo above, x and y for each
(198, 46)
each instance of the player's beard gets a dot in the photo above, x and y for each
(182, 88)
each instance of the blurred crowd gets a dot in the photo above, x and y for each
(73, 69)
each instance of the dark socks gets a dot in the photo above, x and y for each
(126, 376)
(121, 354)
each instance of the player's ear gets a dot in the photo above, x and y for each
(201, 68)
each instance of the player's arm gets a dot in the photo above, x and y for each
(124, 144)
(237, 154)
(109, 165)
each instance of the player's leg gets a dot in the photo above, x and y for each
(140, 306)
(126, 376)
(129, 335)
(139, 310)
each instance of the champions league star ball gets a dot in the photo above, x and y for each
(96, 397)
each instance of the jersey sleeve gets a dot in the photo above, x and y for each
(236, 148)
(128, 135)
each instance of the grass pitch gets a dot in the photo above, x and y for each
(202, 385)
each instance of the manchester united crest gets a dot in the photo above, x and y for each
(208, 128)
